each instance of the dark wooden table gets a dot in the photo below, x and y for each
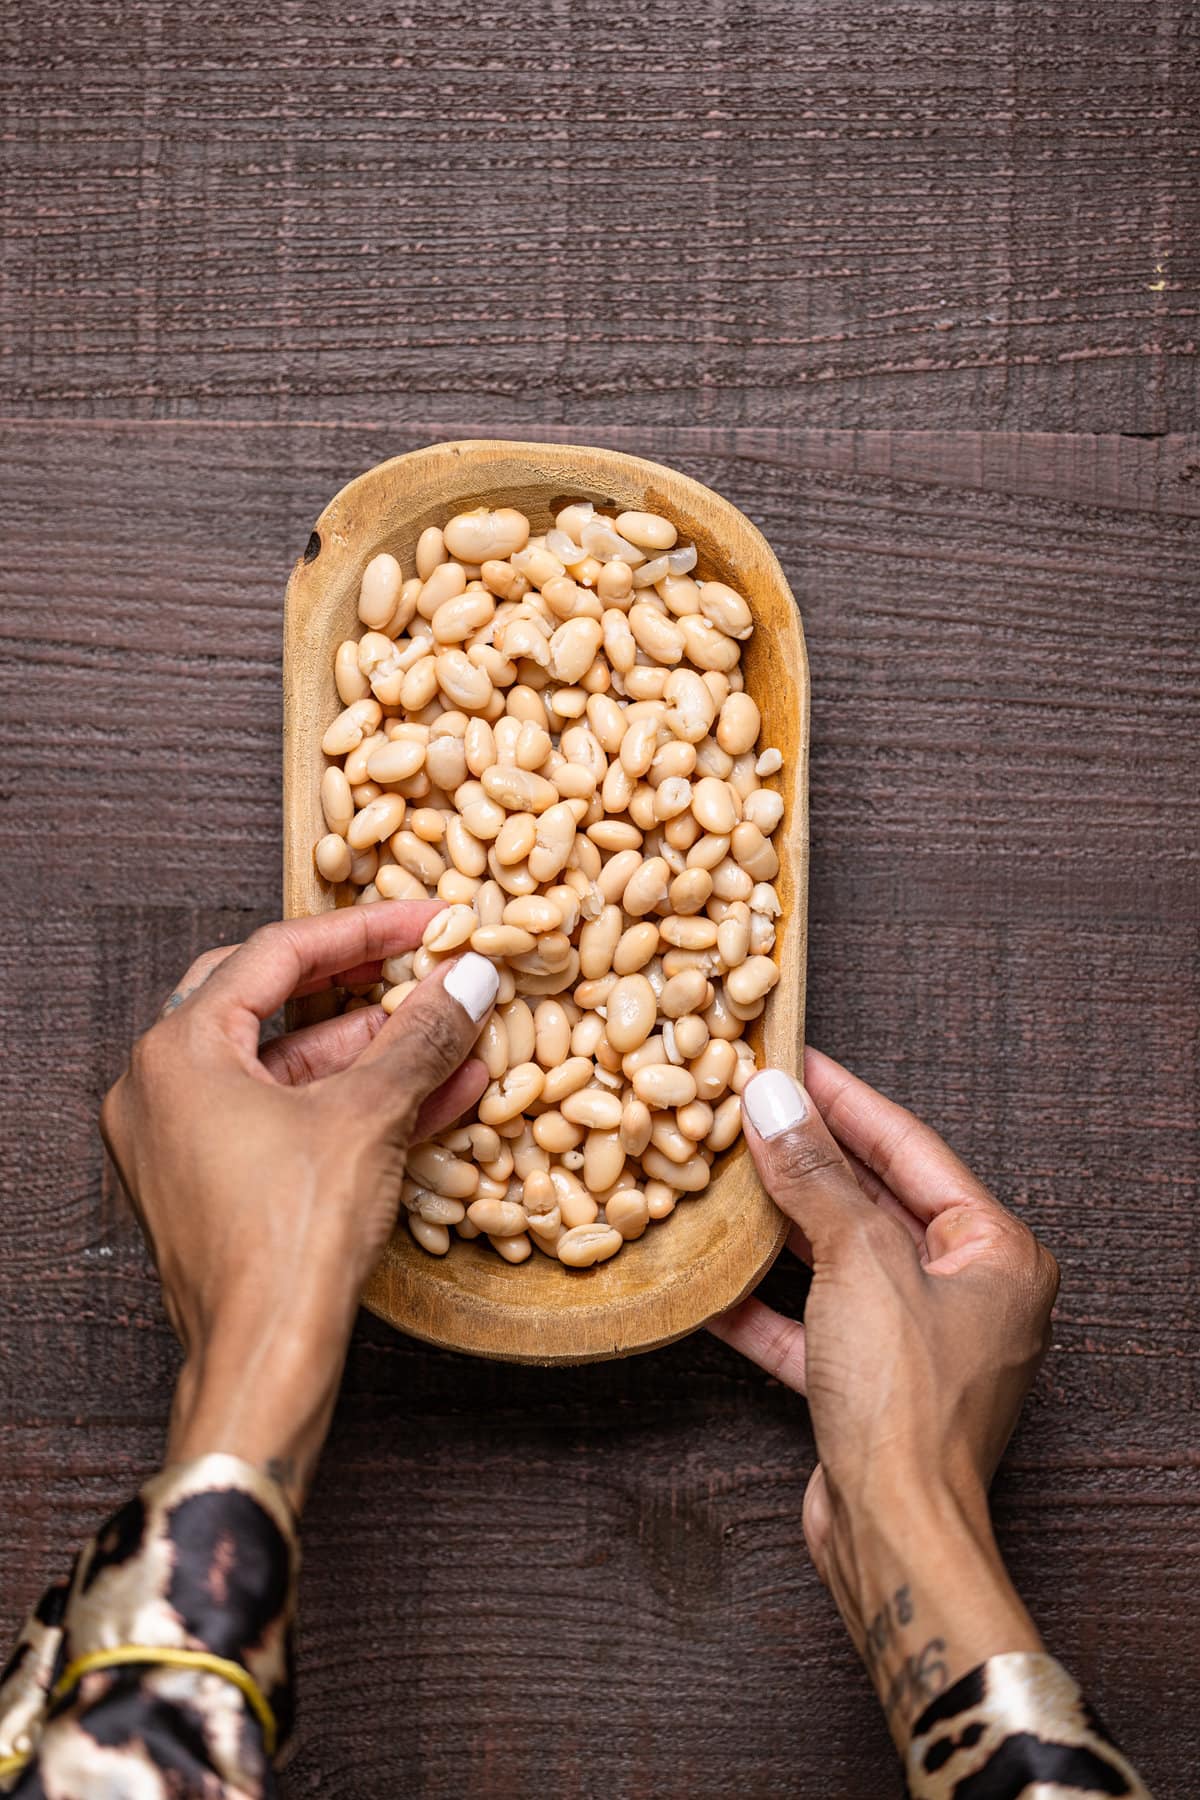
(915, 286)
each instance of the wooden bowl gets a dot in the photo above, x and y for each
(713, 1249)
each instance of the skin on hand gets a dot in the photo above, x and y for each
(267, 1180)
(926, 1321)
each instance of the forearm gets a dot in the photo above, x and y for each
(971, 1697)
(925, 1596)
(264, 1396)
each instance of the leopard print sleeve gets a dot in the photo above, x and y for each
(1016, 1728)
(204, 1559)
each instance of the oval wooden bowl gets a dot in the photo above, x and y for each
(713, 1249)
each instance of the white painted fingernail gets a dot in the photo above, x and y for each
(474, 982)
(774, 1102)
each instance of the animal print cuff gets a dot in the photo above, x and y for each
(1017, 1725)
(203, 1558)
(27, 1678)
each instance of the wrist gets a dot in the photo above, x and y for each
(267, 1399)
(889, 1521)
(878, 1534)
(919, 1581)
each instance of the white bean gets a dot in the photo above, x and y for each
(332, 857)
(482, 535)
(379, 591)
(584, 1245)
(630, 1013)
(431, 551)
(649, 531)
(349, 679)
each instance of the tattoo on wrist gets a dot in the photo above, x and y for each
(917, 1681)
(892, 1617)
(917, 1677)
(282, 1469)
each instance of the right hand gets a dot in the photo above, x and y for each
(925, 1324)
(267, 1180)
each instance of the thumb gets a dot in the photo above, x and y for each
(426, 1039)
(799, 1161)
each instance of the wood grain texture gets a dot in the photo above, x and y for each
(1003, 639)
(915, 214)
(713, 1250)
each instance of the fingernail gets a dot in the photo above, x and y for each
(474, 982)
(774, 1102)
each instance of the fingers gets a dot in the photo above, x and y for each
(362, 975)
(962, 1235)
(880, 1195)
(301, 954)
(816, 1517)
(801, 1167)
(451, 1100)
(920, 1169)
(195, 976)
(799, 1245)
(425, 1041)
(298, 1057)
(776, 1344)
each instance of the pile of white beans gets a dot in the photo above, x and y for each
(551, 734)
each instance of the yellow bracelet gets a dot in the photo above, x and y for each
(171, 1658)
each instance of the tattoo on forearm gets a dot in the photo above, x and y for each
(917, 1678)
(174, 1000)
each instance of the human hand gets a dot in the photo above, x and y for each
(268, 1180)
(925, 1323)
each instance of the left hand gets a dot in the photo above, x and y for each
(926, 1321)
(267, 1181)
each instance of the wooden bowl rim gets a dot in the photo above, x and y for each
(470, 1322)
